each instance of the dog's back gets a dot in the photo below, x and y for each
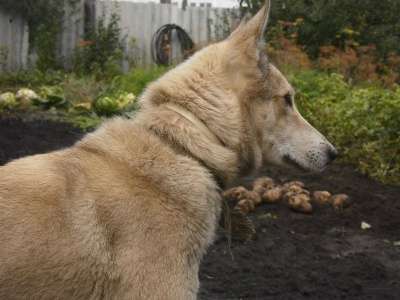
(112, 215)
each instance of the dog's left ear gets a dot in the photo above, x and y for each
(253, 30)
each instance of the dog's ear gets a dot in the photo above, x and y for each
(253, 30)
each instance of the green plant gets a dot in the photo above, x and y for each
(347, 29)
(108, 106)
(357, 63)
(51, 96)
(45, 44)
(101, 52)
(7, 101)
(362, 121)
(336, 22)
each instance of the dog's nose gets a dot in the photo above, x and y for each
(332, 154)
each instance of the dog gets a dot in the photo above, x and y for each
(129, 211)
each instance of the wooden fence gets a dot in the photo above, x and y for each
(138, 21)
(14, 43)
(72, 32)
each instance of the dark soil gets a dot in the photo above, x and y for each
(325, 255)
(20, 138)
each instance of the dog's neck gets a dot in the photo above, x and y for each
(188, 135)
(202, 128)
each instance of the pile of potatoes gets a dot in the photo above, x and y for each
(293, 193)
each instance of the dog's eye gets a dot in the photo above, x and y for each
(288, 99)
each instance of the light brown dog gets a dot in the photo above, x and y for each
(129, 211)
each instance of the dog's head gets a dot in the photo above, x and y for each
(281, 134)
(239, 107)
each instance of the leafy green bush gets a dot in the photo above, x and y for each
(330, 22)
(363, 122)
(101, 52)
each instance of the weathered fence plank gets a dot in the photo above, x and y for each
(138, 21)
(14, 43)
(71, 33)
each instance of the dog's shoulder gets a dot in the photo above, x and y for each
(125, 144)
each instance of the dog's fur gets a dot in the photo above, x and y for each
(129, 211)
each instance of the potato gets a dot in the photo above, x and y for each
(297, 183)
(245, 206)
(259, 189)
(241, 193)
(340, 201)
(297, 189)
(300, 203)
(288, 195)
(321, 197)
(236, 193)
(254, 197)
(273, 195)
(304, 191)
(251, 204)
(263, 184)
(303, 197)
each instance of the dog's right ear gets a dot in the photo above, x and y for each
(253, 30)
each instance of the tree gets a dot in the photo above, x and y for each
(325, 22)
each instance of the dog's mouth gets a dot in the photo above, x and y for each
(294, 163)
(290, 161)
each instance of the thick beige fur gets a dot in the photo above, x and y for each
(129, 211)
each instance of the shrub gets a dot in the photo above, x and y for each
(355, 38)
(361, 121)
(101, 52)
(360, 64)
(283, 47)
(356, 63)
(334, 22)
